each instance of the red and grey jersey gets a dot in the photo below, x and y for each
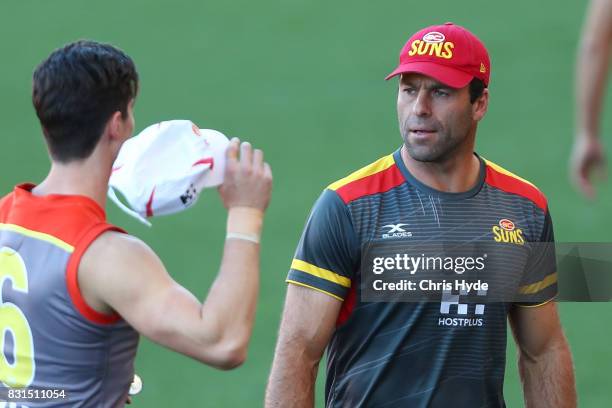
(51, 339)
(420, 354)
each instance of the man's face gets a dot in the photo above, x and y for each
(434, 119)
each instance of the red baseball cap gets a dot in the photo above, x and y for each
(448, 53)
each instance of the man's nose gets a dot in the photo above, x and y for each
(422, 104)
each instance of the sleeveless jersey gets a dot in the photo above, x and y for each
(49, 337)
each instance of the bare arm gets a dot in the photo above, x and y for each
(591, 76)
(545, 361)
(121, 273)
(307, 325)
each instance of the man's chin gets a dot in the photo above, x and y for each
(425, 158)
(424, 154)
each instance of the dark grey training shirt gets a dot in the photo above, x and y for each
(448, 353)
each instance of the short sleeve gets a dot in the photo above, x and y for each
(539, 282)
(327, 255)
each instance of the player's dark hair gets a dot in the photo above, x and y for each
(477, 87)
(75, 92)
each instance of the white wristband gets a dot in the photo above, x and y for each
(245, 237)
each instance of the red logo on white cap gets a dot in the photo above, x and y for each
(195, 129)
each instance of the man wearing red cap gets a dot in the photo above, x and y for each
(448, 350)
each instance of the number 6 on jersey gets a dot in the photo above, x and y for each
(18, 371)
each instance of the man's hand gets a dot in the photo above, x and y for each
(587, 162)
(248, 180)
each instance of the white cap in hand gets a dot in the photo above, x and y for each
(163, 169)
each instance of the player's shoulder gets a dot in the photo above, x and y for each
(502, 179)
(119, 247)
(377, 177)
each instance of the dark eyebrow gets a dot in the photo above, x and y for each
(431, 87)
(438, 86)
(407, 83)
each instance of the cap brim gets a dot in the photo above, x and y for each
(447, 75)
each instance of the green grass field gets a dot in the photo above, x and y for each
(303, 79)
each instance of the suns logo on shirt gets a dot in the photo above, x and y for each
(507, 232)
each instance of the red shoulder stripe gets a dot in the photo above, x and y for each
(373, 184)
(508, 182)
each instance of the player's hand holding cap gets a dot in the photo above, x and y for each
(163, 169)
(245, 191)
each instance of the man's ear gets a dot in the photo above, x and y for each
(114, 126)
(480, 105)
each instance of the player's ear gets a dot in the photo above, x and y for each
(480, 105)
(114, 126)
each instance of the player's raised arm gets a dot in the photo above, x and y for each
(307, 325)
(544, 358)
(121, 273)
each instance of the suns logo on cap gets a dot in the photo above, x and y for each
(483, 69)
(434, 37)
(432, 44)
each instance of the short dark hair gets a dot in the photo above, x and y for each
(76, 90)
(477, 87)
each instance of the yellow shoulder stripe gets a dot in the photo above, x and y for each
(538, 286)
(507, 173)
(37, 235)
(315, 288)
(373, 168)
(302, 266)
(539, 304)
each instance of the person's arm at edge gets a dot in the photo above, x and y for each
(544, 358)
(592, 65)
(137, 286)
(309, 320)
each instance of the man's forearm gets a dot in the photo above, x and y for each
(232, 299)
(309, 320)
(591, 75)
(292, 382)
(548, 379)
(592, 63)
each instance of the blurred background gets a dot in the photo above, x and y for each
(303, 80)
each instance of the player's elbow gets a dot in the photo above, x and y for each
(234, 359)
(224, 351)
(227, 350)
(229, 355)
